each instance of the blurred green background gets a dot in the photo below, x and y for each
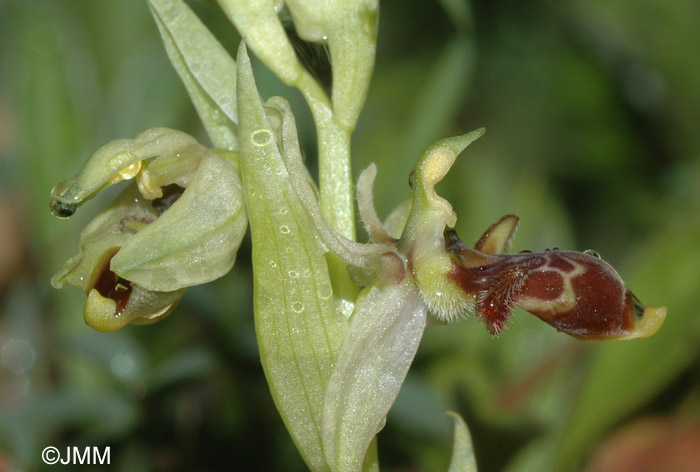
(592, 110)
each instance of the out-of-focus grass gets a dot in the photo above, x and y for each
(591, 109)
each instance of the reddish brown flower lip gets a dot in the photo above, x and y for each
(575, 292)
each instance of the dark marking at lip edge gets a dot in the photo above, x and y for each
(638, 307)
(110, 285)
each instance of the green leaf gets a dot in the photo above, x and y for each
(259, 24)
(299, 332)
(384, 334)
(207, 70)
(463, 459)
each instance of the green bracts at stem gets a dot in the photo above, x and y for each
(384, 334)
(463, 459)
(350, 27)
(299, 332)
(206, 69)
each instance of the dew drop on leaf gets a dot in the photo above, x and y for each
(297, 307)
(261, 137)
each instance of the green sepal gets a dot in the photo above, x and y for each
(422, 238)
(259, 25)
(115, 161)
(109, 231)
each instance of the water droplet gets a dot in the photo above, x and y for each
(326, 292)
(62, 209)
(284, 229)
(591, 252)
(297, 307)
(345, 308)
(262, 137)
(273, 264)
(293, 274)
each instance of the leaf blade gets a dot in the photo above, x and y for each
(206, 69)
(298, 330)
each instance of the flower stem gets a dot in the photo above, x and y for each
(335, 179)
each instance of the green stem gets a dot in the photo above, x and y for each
(335, 179)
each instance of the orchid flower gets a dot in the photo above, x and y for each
(428, 271)
(134, 260)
